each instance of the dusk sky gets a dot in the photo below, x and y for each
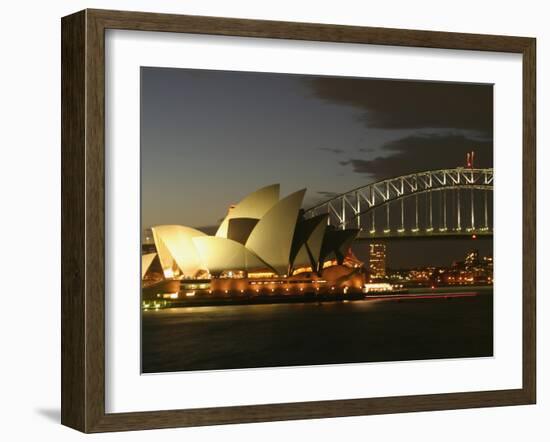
(208, 138)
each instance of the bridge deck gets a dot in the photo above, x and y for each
(365, 235)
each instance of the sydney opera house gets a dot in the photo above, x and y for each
(263, 246)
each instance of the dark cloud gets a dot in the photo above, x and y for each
(331, 149)
(401, 104)
(423, 152)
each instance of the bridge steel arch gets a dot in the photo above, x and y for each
(347, 208)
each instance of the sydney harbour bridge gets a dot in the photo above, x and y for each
(437, 203)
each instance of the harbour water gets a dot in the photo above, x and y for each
(274, 335)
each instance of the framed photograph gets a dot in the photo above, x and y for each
(270, 220)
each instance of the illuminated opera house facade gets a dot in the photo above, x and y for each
(263, 246)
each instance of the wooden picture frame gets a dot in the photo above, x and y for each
(83, 220)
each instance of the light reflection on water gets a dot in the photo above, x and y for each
(252, 308)
(240, 336)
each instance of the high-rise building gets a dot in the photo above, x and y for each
(377, 261)
(472, 258)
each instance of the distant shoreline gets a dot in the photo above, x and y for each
(310, 297)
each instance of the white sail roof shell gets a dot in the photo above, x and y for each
(255, 205)
(165, 257)
(175, 243)
(315, 240)
(146, 261)
(222, 254)
(271, 238)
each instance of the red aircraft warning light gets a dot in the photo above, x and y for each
(470, 159)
